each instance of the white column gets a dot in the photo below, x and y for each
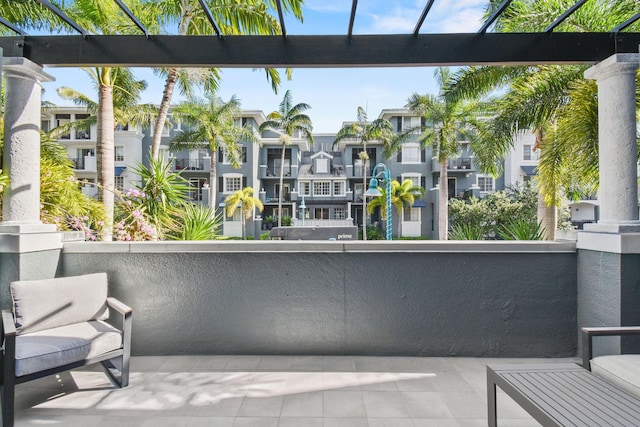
(618, 150)
(21, 203)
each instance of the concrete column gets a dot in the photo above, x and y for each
(28, 248)
(21, 203)
(618, 193)
(609, 251)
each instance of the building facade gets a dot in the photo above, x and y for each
(323, 184)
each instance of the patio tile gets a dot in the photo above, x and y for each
(255, 422)
(433, 422)
(147, 363)
(421, 404)
(450, 381)
(384, 404)
(65, 420)
(416, 384)
(343, 404)
(209, 422)
(346, 422)
(341, 381)
(338, 363)
(390, 422)
(220, 407)
(377, 381)
(261, 406)
(211, 363)
(243, 363)
(303, 405)
(274, 363)
(307, 363)
(301, 422)
(464, 404)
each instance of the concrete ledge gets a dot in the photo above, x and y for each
(323, 246)
(628, 243)
(30, 242)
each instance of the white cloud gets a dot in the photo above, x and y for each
(327, 5)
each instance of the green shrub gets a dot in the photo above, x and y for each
(467, 231)
(521, 229)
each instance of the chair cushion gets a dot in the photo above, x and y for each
(59, 346)
(622, 370)
(49, 303)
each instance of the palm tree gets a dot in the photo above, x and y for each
(555, 102)
(288, 119)
(448, 121)
(402, 195)
(364, 131)
(210, 124)
(247, 203)
(233, 17)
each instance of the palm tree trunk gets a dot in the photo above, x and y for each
(104, 156)
(244, 224)
(548, 217)
(443, 202)
(163, 111)
(281, 184)
(400, 219)
(213, 183)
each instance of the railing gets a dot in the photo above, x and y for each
(323, 222)
(78, 163)
(189, 164)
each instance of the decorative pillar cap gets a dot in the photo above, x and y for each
(23, 67)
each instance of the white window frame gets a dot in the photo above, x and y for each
(276, 189)
(416, 178)
(339, 188)
(482, 188)
(118, 153)
(119, 183)
(321, 185)
(414, 215)
(304, 188)
(342, 211)
(527, 149)
(411, 159)
(227, 187)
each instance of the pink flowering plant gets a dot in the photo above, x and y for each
(132, 222)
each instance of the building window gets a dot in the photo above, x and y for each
(411, 214)
(339, 213)
(61, 120)
(232, 184)
(119, 182)
(485, 183)
(338, 188)
(285, 195)
(236, 217)
(227, 155)
(119, 153)
(411, 154)
(322, 188)
(415, 179)
(304, 188)
(357, 191)
(321, 213)
(528, 153)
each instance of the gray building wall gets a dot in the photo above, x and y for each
(406, 298)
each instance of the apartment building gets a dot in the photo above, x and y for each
(330, 178)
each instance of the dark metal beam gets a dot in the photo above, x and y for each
(281, 17)
(626, 23)
(565, 15)
(209, 16)
(352, 18)
(60, 14)
(425, 11)
(321, 51)
(12, 27)
(494, 16)
(132, 17)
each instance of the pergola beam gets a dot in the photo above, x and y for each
(321, 51)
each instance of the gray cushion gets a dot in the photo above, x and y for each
(49, 303)
(622, 370)
(55, 347)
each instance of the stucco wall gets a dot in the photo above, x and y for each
(384, 298)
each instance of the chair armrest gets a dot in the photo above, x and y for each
(8, 325)
(589, 333)
(119, 306)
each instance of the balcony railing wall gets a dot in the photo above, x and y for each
(406, 298)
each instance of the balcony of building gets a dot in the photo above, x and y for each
(460, 164)
(185, 164)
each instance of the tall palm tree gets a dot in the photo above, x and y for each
(232, 16)
(554, 102)
(447, 121)
(402, 195)
(210, 123)
(247, 203)
(288, 119)
(364, 131)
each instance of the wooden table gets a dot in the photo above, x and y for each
(562, 394)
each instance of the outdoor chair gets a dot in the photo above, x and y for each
(59, 324)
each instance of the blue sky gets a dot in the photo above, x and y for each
(334, 94)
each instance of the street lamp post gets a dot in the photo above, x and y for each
(385, 175)
(303, 206)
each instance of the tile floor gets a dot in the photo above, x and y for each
(278, 391)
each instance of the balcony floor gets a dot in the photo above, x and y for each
(263, 391)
